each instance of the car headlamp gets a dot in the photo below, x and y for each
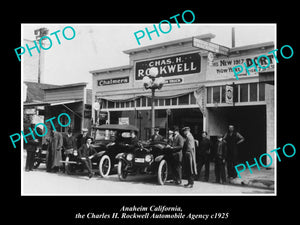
(148, 158)
(129, 157)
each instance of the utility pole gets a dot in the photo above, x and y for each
(232, 37)
(40, 33)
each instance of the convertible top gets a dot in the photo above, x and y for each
(117, 127)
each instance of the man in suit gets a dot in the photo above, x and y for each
(220, 160)
(54, 156)
(31, 149)
(156, 136)
(86, 153)
(202, 155)
(69, 140)
(232, 138)
(189, 157)
(176, 161)
(81, 138)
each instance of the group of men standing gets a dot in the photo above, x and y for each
(183, 154)
(191, 155)
(58, 142)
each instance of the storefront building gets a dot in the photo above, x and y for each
(195, 93)
(73, 99)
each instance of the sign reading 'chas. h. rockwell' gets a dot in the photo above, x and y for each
(170, 66)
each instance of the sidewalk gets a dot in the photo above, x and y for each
(263, 178)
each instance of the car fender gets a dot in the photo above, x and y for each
(120, 155)
(159, 158)
(101, 153)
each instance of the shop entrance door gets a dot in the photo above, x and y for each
(187, 117)
(250, 122)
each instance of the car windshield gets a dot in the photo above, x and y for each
(104, 135)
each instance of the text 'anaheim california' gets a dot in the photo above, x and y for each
(152, 208)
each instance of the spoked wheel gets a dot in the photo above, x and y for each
(162, 172)
(122, 173)
(104, 166)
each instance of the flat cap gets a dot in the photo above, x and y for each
(186, 128)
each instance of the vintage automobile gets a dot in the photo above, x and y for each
(147, 158)
(109, 140)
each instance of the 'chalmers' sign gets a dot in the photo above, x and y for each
(119, 80)
(170, 66)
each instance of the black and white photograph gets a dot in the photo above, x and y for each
(148, 109)
(150, 114)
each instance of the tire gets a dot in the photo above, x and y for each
(162, 172)
(104, 166)
(122, 174)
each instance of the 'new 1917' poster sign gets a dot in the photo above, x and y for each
(222, 68)
(170, 66)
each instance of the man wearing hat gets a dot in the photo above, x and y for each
(54, 151)
(189, 157)
(156, 136)
(176, 163)
(81, 138)
(69, 141)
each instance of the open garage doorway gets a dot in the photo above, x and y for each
(249, 121)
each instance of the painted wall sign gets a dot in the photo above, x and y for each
(170, 66)
(222, 68)
(174, 81)
(113, 81)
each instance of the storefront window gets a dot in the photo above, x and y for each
(235, 93)
(138, 102)
(209, 95)
(168, 101)
(161, 102)
(223, 94)
(193, 99)
(144, 101)
(216, 94)
(149, 101)
(183, 100)
(104, 104)
(253, 92)
(261, 91)
(174, 101)
(132, 104)
(243, 92)
(110, 104)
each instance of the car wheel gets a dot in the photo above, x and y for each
(104, 166)
(162, 172)
(122, 174)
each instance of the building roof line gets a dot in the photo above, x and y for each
(66, 86)
(169, 43)
(107, 70)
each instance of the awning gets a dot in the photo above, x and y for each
(159, 94)
(51, 103)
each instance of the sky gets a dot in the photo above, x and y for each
(100, 46)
